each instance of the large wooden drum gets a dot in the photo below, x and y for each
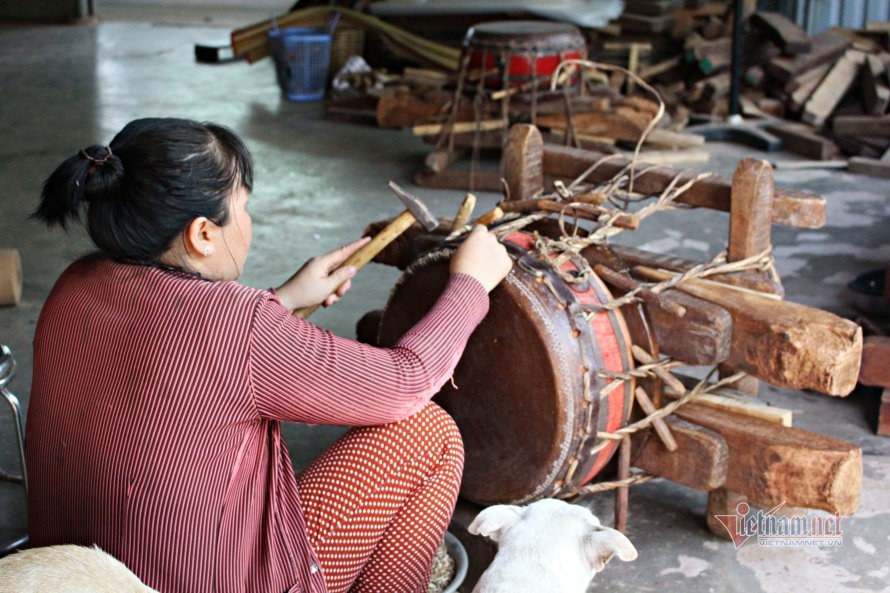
(526, 394)
(521, 51)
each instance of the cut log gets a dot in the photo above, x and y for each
(781, 342)
(833, 87)
(701, 460)
(791, 38)
(773, 464)
(826, 47)
(790, 207)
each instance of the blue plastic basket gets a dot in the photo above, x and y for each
(302, 58)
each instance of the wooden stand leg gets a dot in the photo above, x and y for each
(884, 414)
(621, 494)
(722, 501)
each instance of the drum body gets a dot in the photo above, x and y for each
(521, 51)
(526, 393)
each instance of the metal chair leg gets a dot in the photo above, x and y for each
(7, 370)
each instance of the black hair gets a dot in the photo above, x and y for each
(143, 190)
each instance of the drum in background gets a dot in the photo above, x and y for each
(520, 393)
(521, 51)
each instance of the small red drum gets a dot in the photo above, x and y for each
(522, 51)
(526, 394)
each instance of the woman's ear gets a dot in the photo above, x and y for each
(200, 237)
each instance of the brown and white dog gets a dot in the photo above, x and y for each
(546, 546)
(68, 569)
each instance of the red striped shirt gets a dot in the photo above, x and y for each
(153, 424)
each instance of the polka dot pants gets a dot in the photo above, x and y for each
(378, 501)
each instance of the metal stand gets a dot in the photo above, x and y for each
(735, 129)
(7, 370)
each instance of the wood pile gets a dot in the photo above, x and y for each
(824, 96)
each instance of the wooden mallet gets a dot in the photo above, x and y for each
(416, 210)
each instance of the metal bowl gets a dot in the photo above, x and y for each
(459, 555)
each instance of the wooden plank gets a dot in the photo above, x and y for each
(773, 464)
(861, 125)
(808, 84)
(521, 162)
(461, 127)
(867, 166)
(790, 207)
(826, 47)
(736, 402)
(782, 31)
(800, 165)
(833, 87)
(701, 460)
(802, 140)
(875, 368)
(782, 342)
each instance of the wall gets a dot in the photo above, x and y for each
(818, 15)
(47, 11)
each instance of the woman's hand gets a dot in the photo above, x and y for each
(482, 257)
(320, 280)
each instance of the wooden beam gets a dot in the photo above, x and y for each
(773, 464)
(701, 336)
(790, 207)
(522, 162)
(701, 460)
(784, 343)
(750, 209)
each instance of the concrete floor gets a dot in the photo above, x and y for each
(319, 181)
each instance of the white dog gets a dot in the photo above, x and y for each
(67, 569)
(546, 546)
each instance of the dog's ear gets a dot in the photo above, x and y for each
(601, 543)
(491, 521)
